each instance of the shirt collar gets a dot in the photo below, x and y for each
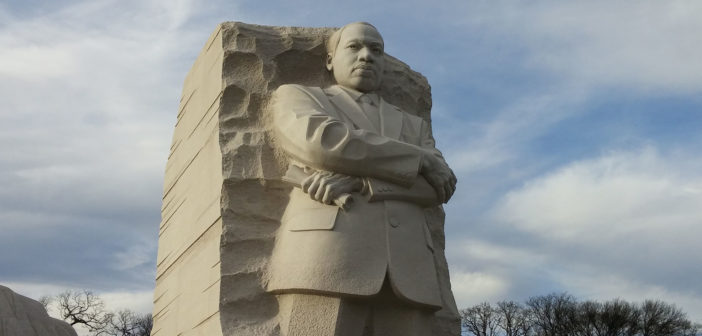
(356, 95)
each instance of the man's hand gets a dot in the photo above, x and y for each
(323, 186)
(439, 176)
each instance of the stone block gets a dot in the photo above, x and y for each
(22, 316)
(223, 194)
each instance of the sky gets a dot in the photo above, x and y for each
(573, 128)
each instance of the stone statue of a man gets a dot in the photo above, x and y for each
(367, 267)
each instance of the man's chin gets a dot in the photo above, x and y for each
(364, 85)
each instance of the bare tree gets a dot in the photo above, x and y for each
(562, 315)
(695, 329)
(144, 324)
(87, 309)
(127, 323)
(481, 320)
(512, 318)
(525, 322)
(46, 301)
(618, 318)
(589, 318)
(658, 318)
(554, 314)
(121, 324)
(83, 308)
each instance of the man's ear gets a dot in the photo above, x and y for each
(329, 61)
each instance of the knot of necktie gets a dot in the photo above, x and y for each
(365, 99)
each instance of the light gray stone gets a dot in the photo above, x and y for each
(224, 195)
(372, 260)
(22, 316)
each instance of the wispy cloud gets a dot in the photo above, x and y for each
(89, 91)
(640, 45)
(625, 205)
(611, 197)
(631, 216)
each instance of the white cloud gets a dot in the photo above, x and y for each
(36, 62)
(625, 224)
(34, 290)
(484, 270)
(646, 45)
(139, 254)
(470, 288)
(626, 221)
(495, 255)
(619, 195)
(90, 90)
(478, 147)
(138, 301)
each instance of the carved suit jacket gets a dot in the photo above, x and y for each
(322, 249)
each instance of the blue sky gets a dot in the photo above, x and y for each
(573, 127)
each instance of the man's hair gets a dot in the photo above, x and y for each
(334, 38)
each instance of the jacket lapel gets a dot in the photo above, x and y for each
(348, 107)
(390, 120)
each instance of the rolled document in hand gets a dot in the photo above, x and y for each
(295, 175)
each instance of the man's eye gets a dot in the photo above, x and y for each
(354, 47)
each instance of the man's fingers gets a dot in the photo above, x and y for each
(323, 184)
(307, 182)
(314, 186)
(329, 194)
(325, 187)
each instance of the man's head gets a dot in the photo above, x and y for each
(355, 55)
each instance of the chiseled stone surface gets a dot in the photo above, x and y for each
(186, 297)
(22, 316)
(223, 195)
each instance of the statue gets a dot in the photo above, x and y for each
(354, 255)
(231, 179)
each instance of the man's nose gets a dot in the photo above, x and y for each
(365, 54)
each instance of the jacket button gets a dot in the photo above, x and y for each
(394, 222)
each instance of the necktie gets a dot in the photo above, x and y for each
(370, 110)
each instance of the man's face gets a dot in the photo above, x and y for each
(358, 61)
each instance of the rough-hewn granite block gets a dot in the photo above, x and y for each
(223, 152)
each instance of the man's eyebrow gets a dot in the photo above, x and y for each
(370, 42)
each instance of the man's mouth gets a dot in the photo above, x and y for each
(364, 67)
(364, 70)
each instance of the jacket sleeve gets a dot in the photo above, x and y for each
(310, 134)
(428, 142)
(421, 192)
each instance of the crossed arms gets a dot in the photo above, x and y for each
(348, 159)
